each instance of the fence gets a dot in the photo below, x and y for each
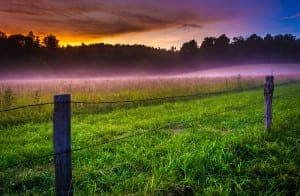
(62, 131)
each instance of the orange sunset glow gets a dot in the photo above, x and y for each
(159, 24)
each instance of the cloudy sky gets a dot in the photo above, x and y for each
(158, 23)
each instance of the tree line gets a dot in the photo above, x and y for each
(20, 51)
(278, 48)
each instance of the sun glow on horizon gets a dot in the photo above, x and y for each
(70, 41)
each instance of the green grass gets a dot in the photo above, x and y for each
(208, 146)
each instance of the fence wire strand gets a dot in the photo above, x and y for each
(143, 100)
(116, 102)
(127, 101)
(26, 106)
(168, 125)
(79, 149)
(118, 139)
(91, 146)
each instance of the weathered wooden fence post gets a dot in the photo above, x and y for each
(268, 93)
(62, 144)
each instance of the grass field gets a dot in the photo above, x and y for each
(211, 145)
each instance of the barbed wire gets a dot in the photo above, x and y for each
(168, 125)
(146, 99)
(212, 174)
(115, 102)
(131, 101)
(118, 139)
(26, 106)
(165, 126)
(137, 100)
(131, 136)
(77, 149)
(169, 97)
(91, 146)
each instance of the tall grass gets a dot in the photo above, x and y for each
(209, 146)
(18, 93)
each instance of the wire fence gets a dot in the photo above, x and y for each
(21, 163)
(195, 95)
(26, 106)
(223, 111)
(122, 139)
(113, 102)
(135, 133)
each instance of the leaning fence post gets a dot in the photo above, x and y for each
(62, 144)
(268, 93)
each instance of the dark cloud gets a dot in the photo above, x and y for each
(197, 26)
(96, 18)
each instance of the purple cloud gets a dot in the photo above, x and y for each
(99, 18)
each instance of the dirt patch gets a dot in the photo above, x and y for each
(177, 130)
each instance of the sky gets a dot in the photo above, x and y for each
(157, 23)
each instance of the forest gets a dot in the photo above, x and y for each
(30, 52)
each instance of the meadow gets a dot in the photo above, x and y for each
(210, 144)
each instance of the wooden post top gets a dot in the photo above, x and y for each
(269, 85)
(269, 78)
(64, 98)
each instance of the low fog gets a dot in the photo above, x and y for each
(26, 57)
(247, 70)
(220, 71)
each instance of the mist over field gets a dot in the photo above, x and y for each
(248, 70)
(220, 71)
(25, 56)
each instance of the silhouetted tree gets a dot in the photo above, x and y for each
(189, 48)
(16, 41)
(222, 46)
(238, 43)
(3, 39)
(18, 51)
(2, 35)
(269, 47)
(208, 43)
(254, 43)
(238, 47)
(222, 42)
(173, 48)
(3, 43)
(50, 41)
(268, 39)
(34, 40)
